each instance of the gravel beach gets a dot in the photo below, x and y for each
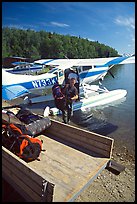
(108, 187)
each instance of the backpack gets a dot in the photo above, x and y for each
(35, 124)
(24, 146)
(30, 148)
(26, 116)
(59, 97)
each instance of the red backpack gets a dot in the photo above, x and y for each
(24, 146)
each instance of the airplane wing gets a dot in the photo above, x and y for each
(67, 63)
(116, 61)
(128, 60)
(13, 91)
(20, 63)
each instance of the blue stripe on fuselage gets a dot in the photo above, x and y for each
(39, 83)
(90, 74)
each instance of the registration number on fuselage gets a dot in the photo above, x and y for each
(44, 82)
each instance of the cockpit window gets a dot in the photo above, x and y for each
(86, 68)
(60, 73)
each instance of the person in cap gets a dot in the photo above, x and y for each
(71, 94)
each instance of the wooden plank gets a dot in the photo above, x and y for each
(9, 180)
(69, 168)
(86, 139)
(72, 198)
(37, 188)
(56, 125)
(91, 148)
(115, 167)
(52, 159)
(22, 165)
(24, 187)
(24, 168)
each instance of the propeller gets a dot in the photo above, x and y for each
(111, 73)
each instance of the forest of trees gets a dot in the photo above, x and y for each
(42, 44)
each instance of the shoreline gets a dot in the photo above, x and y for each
(108, 187)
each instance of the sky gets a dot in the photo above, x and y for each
(109, 23)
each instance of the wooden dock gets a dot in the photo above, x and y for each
(73, 159)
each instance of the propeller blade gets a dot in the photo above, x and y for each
(111, 73)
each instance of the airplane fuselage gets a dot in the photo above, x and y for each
(32, 83)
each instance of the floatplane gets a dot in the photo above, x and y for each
(89, 71)
(24, 68)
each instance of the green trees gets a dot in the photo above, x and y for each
(42, 44)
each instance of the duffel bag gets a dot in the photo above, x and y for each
(37, 126)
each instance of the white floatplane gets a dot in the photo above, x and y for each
(24, 68)
(89, 70)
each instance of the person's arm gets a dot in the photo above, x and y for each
(75, 95)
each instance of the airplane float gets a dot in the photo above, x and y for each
(89, 70)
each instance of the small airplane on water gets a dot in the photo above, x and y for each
(89, 70)
(24, 68)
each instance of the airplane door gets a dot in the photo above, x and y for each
(60, 76)
(79, 70)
